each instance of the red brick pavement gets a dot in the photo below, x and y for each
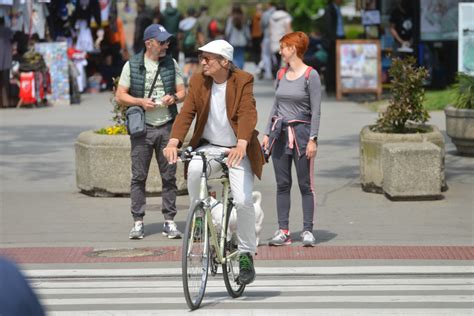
(47, 255)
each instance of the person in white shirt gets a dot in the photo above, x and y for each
(221, 99)
(279, 25)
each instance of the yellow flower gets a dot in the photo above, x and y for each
(113, 130)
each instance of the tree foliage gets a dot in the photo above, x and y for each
(304, 13)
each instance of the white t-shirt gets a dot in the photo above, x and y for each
(218, 130)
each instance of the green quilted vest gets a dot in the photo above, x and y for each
(167, 73)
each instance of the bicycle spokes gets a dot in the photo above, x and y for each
(195, 259)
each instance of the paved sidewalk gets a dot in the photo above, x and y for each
(41, 208)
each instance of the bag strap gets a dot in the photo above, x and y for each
(154, 81)
(307, 73)
(280, 75)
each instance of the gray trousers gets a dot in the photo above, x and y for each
(155, 139)
(282, 162)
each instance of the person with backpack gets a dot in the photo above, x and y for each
(257, 34)
(291, 135)
(267, 55)
(279, 25)
(237, 33)
(204, 21)
(189, 43)
(170, 18)
(142, 21)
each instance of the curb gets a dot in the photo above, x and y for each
(79, 255)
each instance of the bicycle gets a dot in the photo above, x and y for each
(204, 245)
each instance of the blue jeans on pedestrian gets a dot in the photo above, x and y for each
(239, 57)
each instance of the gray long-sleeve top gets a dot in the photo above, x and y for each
(291, 98)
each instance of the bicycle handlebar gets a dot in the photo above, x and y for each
(188, 154)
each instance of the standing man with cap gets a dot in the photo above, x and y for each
(153, 80)
(221, 98)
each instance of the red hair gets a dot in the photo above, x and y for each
(297, 39)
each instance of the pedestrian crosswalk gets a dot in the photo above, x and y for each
(270, 294)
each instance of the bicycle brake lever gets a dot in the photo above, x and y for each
(186, 153)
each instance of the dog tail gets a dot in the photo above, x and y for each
(257, 197)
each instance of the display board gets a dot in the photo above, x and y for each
(439, 19)
(466, 38)
(358, 67)
(55, 56)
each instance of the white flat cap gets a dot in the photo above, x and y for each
(219, 47)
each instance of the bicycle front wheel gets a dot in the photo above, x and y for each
(195, 258)
(230, 268)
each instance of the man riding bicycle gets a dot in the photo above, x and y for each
(221, 98)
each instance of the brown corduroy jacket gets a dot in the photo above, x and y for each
(241, 113)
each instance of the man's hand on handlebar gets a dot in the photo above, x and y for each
(237, 153)
(171, 151)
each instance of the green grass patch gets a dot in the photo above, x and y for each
(435, 100)
(438, 100)
(353, 31)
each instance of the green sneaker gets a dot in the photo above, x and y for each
(247, 270)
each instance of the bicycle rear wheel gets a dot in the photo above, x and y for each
(230, 268)
(195, 258)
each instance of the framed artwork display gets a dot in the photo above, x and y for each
(358, 67)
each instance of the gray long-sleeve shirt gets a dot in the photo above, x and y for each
(291, 99)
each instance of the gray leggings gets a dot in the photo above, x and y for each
(282, 161)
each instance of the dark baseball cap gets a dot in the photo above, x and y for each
(156, 31)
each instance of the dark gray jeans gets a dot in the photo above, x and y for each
(156, 139)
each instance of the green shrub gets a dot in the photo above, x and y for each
(406, 103)
(464, 92)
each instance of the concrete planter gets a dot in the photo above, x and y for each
(103, 166)
(371, 147)
(460, 127)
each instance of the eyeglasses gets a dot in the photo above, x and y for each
(206, 58)
(164, 42)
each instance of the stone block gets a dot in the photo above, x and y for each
(412, 170)
(371, 144)
(103, 166)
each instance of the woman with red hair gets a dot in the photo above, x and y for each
(291, 135)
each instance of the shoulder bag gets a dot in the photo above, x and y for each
(135, 116)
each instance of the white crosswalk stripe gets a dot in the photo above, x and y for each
(345, 294)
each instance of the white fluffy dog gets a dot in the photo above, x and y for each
(217, 216)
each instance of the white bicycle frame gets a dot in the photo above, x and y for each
(207, 206)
